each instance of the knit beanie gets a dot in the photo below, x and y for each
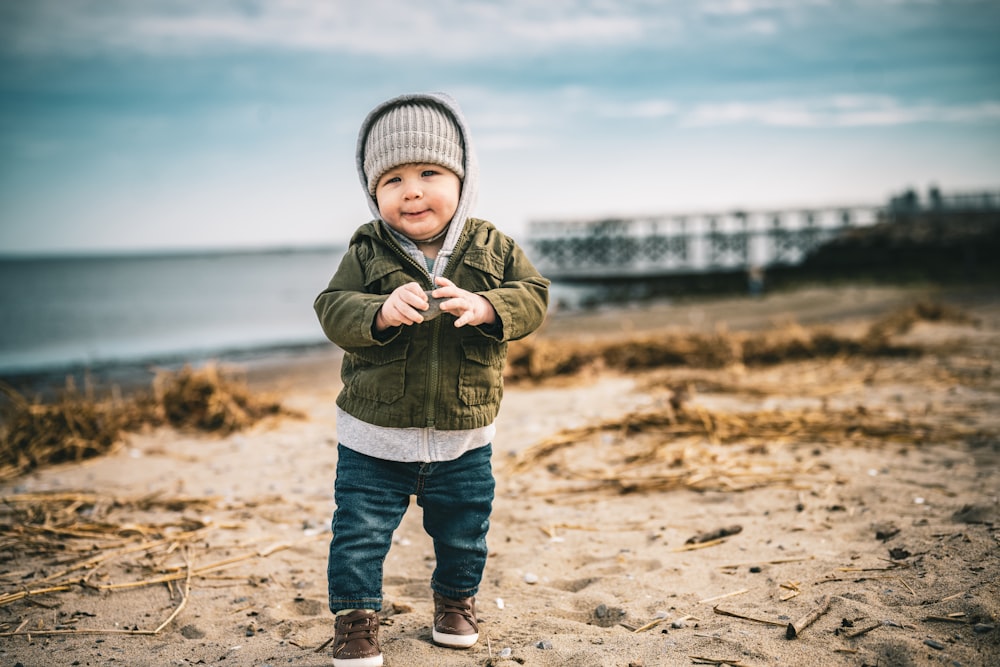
(412, 132)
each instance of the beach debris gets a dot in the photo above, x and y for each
(792, 587)
(885, 531)
(536, 358)
(79, 425)
(209, 399)
(661, 449)
(902, 319)
(699, 545)
(718, 662)
(606, 617)
(957, 617)
(725, 595)
(735, 614)
(500, 603)
(856, 630)
(716, 534)
(74, 427)
(772, 561)
(796, 627)
(660, 618)
(83, 545)
(899, 553)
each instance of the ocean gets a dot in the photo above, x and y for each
(114, 318)
(72, 312)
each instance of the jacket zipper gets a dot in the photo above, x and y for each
(432, 386)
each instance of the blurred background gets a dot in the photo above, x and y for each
(177, 177)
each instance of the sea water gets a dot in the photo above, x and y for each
(87, 312)
(60, 312)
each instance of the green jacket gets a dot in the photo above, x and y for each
(432, 374)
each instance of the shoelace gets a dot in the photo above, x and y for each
(360, 628)
(456, 607)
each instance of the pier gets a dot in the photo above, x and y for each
(658, 246)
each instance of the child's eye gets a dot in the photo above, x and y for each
(394, 179)
(428, 172)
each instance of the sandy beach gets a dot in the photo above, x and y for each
(837, 510)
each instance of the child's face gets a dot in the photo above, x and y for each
(418, 200)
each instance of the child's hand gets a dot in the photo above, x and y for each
(402, 307)
(468, 307)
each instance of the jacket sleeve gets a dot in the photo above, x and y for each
(522, 299)
(346, 311)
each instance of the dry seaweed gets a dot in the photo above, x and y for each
(902, 320)
(666, 448)
(538, 358)
(209, 400)
(79, 425)
(74, 542)
(74, 427)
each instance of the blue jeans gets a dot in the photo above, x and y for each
(372, 495)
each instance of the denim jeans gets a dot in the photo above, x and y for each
(373, 494)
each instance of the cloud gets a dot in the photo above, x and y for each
(838, 111)
(446, 28)
(641, 109)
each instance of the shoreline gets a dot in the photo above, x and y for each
(806, 305)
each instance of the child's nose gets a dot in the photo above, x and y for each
(412, 189)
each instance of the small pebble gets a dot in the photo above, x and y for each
(983, 628)
(433, 306)
(756, 569)
(545, 645)
(505, 653)
(530, 578)
(499, 603)
(933, 644)
(677, 625)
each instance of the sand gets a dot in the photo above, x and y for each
(889, 536)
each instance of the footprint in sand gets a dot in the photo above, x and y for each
(309, 607)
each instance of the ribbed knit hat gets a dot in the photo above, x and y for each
(412, 132)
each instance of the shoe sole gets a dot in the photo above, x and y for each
(373, 661)
(454, 641)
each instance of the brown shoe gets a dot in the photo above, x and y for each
(455, 622)
(355, 643)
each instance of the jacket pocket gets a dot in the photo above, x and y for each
(480, 381)
(377, 373)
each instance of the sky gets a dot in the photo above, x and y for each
(227, 124)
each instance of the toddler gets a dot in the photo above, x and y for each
(423, 304)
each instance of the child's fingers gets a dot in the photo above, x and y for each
(404, 305)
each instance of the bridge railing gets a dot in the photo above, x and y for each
(692, 243)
